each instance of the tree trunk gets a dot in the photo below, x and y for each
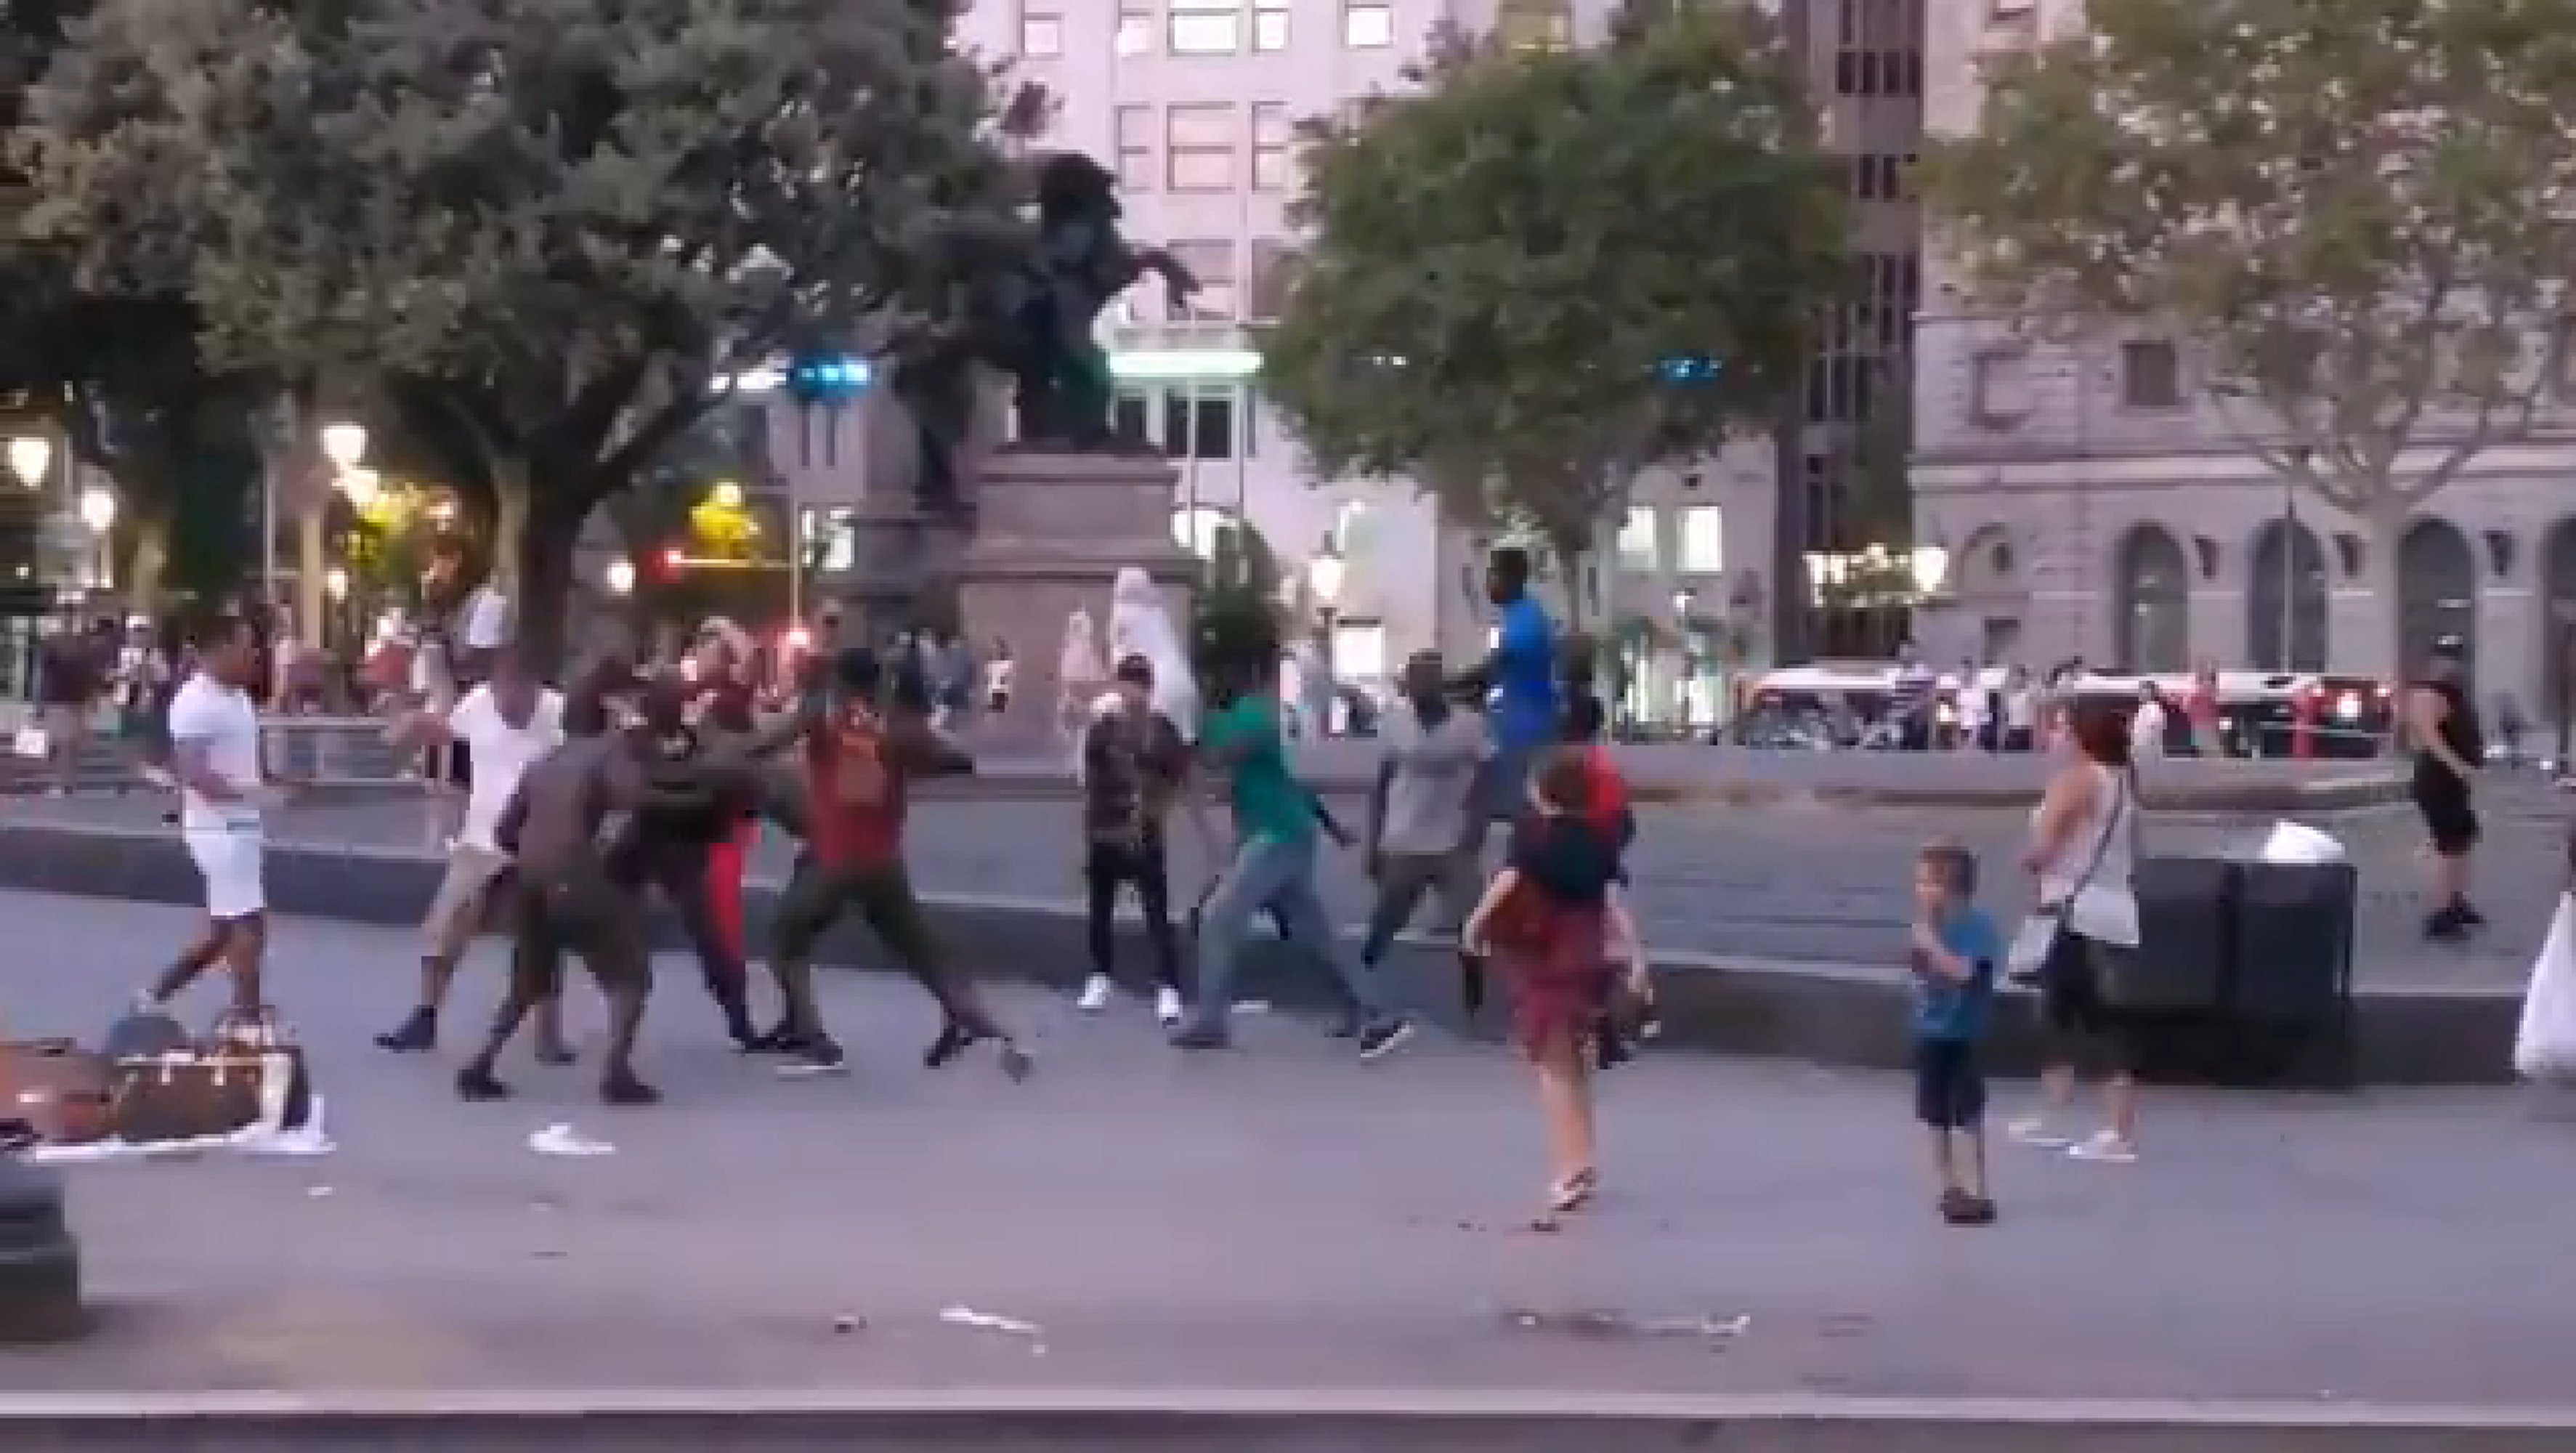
(539, 572)
(511, 506)
(147, 557)
(2384, 645)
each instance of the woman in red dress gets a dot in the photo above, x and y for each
(724, 668)
(1549, 922)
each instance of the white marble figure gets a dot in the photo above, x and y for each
(1079, 676)
(1141, 625)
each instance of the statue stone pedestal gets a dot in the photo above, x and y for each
(898, 554)
(1051, 530)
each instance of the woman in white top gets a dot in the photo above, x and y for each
(2148, 725)
(2083, 852)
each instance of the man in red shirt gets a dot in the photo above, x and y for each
(859, 762)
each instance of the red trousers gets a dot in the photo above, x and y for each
(725, 864)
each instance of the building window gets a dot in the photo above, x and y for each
(1206, 27)
(1640, 541)
(1273, 144)
(1198, 425)
(2150, 375)
(1041, 33)
(1880, 177)
(1878, 72)
(1535, 24)
(1135, 32)
(1270, 25)
(1999, 389)
(1266, 279)
(1133, 416)
(1212, 263)
(1703, 541)
(1199, 146)
(1136, 148)
(1367, 27)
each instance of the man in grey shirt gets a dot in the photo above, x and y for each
(1423, 825)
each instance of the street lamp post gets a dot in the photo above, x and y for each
(98, 512)
(1324, 577)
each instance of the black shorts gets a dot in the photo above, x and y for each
(1949, 1084)
(2078, 1021)
(585, 915)
(2450, 818)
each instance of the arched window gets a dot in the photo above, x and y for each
(2153, 628)
(2558, 642)
(2285, 599)
(2437, 592)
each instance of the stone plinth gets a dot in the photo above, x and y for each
(898, 555)
(1051, 530)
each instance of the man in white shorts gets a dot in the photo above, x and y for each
(215, 755)
(505, 725)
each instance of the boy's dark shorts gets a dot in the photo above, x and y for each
(1949, 1084)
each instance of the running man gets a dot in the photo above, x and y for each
(215, 757)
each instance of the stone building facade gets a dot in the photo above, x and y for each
(2096, 502)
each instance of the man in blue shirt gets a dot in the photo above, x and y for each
(1521, 675)
(1954, 952)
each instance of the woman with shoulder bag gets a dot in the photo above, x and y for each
(2084, 855)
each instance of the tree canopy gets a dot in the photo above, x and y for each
(2358, 217)
(561, 225)
(1545, 269)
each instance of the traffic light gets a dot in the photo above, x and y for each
(828, 378)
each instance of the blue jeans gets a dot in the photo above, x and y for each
(1279, 875)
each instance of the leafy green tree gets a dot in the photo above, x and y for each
(561, 225)
(120, 378)
(2355, 214)
(1544, 270)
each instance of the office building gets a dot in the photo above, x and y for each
(2095, 502)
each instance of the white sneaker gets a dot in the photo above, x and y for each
(2034, 1130)
(1167, 1006)
(1095, 994)
(2108, 1147)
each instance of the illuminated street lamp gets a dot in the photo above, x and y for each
(1324, 574)
(620, 577)
(345, 445)
(335, 584)
(31, 457)
(98, 509)
(361, 486)
(726, 495)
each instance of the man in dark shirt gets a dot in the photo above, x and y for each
(859, 763)
(72, 676)
(2449, 750)
(1134, 764)
(569, 820)
(704, 790)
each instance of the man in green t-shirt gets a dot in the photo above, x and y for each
(1275, 823)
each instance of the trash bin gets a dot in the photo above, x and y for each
(2289, 989)
(2181, 963)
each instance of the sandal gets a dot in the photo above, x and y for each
(1574, 1192)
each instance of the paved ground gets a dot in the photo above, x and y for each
(1276, 1217)
(1806, 884)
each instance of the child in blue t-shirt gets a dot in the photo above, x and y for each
(1955, 951)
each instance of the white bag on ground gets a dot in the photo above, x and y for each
(2296, 842)
(2544, 1048)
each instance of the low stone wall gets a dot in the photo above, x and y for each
(1832, 1015)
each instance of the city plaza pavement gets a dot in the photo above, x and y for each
(1799, 883)
(1276, 1217)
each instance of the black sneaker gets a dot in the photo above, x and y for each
(1384, 1037)
(809, 1055)
(2470, 915)
(1958, 1208)
(416, 1035)
(2446, 924)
